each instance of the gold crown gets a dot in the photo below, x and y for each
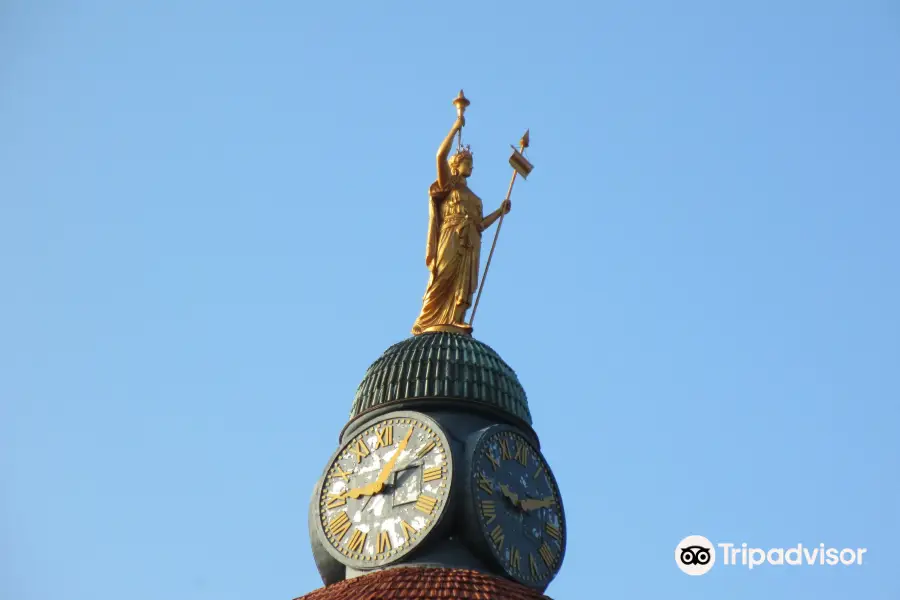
(464, 151)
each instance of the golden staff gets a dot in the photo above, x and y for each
(522, 167)
(460, 102)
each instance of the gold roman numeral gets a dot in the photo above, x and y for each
(533, 565)
(361, 450)
(385, 437)
(522, 454)
(538, 472)
(547, 555)
(432, 474)
(384, 542)
(514, 558)
(426, 504)
(485, 484)
(335, 500)
(490, 457)
(357, 541)
(553, 532)
(339, 525)
(488, 511)
(505, 454)
(425, 449)
(339, 472)
(408, 530)
(497, 536)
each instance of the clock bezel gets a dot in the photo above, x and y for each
(421, 537)
(476, 531)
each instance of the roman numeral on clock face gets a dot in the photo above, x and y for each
(425, 449)
(432, 474)
(497, 536)
(486, 484)
(339, 525)
(514, 558)
(505, 454)
(553, 532)
(522, 454)
(384, 542)
(490, 456)
(408, 530)
(488, 511)
(335, 500)
(533, 565)
(385, 436)
(426, 504)
(547, 555)
(361, 450)
(357, 541)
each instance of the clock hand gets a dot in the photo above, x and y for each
(533, 503)
(367, 490)
(394, 480)
(510, 495)
(382, 477)
(375, 487)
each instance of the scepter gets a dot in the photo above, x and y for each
(522, 167)
(460, 102)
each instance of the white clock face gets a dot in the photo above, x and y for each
(386, 489)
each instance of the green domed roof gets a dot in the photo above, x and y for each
(442, 365)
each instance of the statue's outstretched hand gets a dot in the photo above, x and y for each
(505, 207)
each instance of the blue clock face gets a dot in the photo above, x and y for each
(518, 507)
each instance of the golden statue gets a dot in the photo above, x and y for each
(453, 249)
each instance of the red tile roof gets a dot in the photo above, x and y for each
(419, 583)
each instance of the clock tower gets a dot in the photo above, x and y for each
(437, 487)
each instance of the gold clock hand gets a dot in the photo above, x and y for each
(375, 487)
(367, 490)
(533, 503)
(382, 477)
(513, 497)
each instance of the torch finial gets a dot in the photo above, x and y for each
(461, 102)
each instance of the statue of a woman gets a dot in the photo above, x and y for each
(453, 250)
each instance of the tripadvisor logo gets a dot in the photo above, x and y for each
(696, 555)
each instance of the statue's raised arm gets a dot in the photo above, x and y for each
(443, 167)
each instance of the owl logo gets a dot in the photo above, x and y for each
(695, 555)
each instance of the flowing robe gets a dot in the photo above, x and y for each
(452, 254)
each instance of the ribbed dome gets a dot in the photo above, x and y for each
(442, 365)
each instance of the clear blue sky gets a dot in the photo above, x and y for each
(213, 220)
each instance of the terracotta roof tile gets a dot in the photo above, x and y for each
(419, 583)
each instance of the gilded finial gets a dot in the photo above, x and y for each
(461, 102)
(518, 161)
